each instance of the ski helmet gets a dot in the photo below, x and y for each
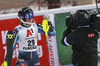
(25, 13)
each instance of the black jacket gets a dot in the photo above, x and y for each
(84, 45)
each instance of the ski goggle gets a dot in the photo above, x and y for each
(29, 15)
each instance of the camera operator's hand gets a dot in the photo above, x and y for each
(93, 12)
(69, 22)
(93, 15)
(69, 28)
(70, 25)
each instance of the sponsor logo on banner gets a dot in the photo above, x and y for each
(51, 54)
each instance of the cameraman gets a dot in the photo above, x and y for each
(82, 37)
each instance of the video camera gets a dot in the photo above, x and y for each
(84, 17)
(95, 20)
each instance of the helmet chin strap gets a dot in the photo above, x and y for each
(27, 22)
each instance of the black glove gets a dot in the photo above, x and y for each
(49, 23)
(93, 12)
(69, 28)
(69, 22)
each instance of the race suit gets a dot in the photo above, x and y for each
(27, 39)
(84, 45)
